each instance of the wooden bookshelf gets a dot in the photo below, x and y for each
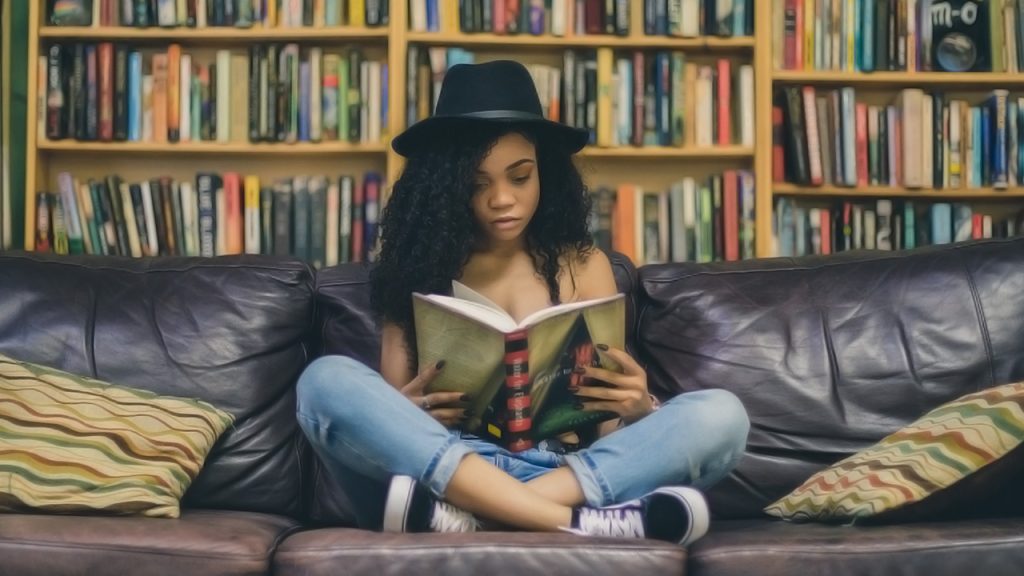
(707, 44)
(899, 192)
(896, 80)
(710, 152)
(216, 35)
(240, 148)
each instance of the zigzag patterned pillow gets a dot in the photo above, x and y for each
(921, 463)
(70, 444)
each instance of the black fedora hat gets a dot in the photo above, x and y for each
(501, 91)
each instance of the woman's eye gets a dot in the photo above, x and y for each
(519, 181)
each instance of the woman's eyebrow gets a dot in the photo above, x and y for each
(511, 166)
(518, 163)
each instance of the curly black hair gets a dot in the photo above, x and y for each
(428, 229)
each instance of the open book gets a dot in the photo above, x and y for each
(517, 374)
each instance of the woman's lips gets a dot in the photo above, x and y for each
(505, 223)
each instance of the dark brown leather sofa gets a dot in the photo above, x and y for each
(828, 354)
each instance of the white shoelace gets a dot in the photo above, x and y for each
(621, 522)
(448, 518)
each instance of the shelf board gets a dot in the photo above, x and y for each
(242, 148)
(214, 34)
(668, 152)
(707, 43)
(967, 80)
(895, 191)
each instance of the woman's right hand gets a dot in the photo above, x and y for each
(448, 408)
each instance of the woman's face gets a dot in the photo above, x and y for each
(507, 190)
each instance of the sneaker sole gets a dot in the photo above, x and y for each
(396, 507)
(697, 506)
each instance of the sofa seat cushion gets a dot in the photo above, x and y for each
(331, 551)
(993, 547)
(199, 542)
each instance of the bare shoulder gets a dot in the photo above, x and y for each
(592, 274)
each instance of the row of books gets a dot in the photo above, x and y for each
(276, 93)
(204, 13)
(692, 220)
(684, 18)
(869, 35)
(636, 98)
(922, 140)
(319, 219)
(883, 224)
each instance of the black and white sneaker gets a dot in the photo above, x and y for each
(676, 514)
(411, 508)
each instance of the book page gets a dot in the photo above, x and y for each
(463, 292)
(491, 316)
(542, 315)
(473, 353)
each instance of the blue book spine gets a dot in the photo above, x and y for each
(858, 35)
(659, 105)
(1000, 140)
(909, 225)
(432, 20)
(332, 13)
(135, 96)
(985, 150)
(739, 17)
(384, 96)
(1020, 144)
(975, 147)
(867, 37)
(784, 215)
(304, 101)
(942, 223)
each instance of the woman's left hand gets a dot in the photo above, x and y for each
(624, 393)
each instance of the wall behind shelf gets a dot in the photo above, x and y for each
(15, 28)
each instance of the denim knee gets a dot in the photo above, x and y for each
(326, 376)
(723, 425)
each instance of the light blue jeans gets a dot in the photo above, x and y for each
(365, 431)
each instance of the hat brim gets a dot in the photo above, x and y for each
(427, 131)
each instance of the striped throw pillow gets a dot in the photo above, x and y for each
(927, 462)
(70, 444)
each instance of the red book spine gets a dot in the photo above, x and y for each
(499, 12)
(592, 13)
(731, 216)
(826, 231)
(105, 52)
(862, 144)
(977, 226)
(724, 103)
(517, 385)
(778, 147)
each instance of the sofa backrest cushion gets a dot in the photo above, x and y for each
(231, 331)
(345, 325)
(831, 354)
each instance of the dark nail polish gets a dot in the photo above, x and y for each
(440, 364)
(465, 398)
(602, 347)
(578, 406)
(579, 370)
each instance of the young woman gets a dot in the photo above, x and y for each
(490, 197)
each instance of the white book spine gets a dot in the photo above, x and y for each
(691, 18)
(147, 210)
(134, 246)
(558, 13)
(223, 96)
(747, 105)
(188, 218)
(315, 94)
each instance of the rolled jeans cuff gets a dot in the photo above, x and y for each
(596, 490)
(443, 464)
